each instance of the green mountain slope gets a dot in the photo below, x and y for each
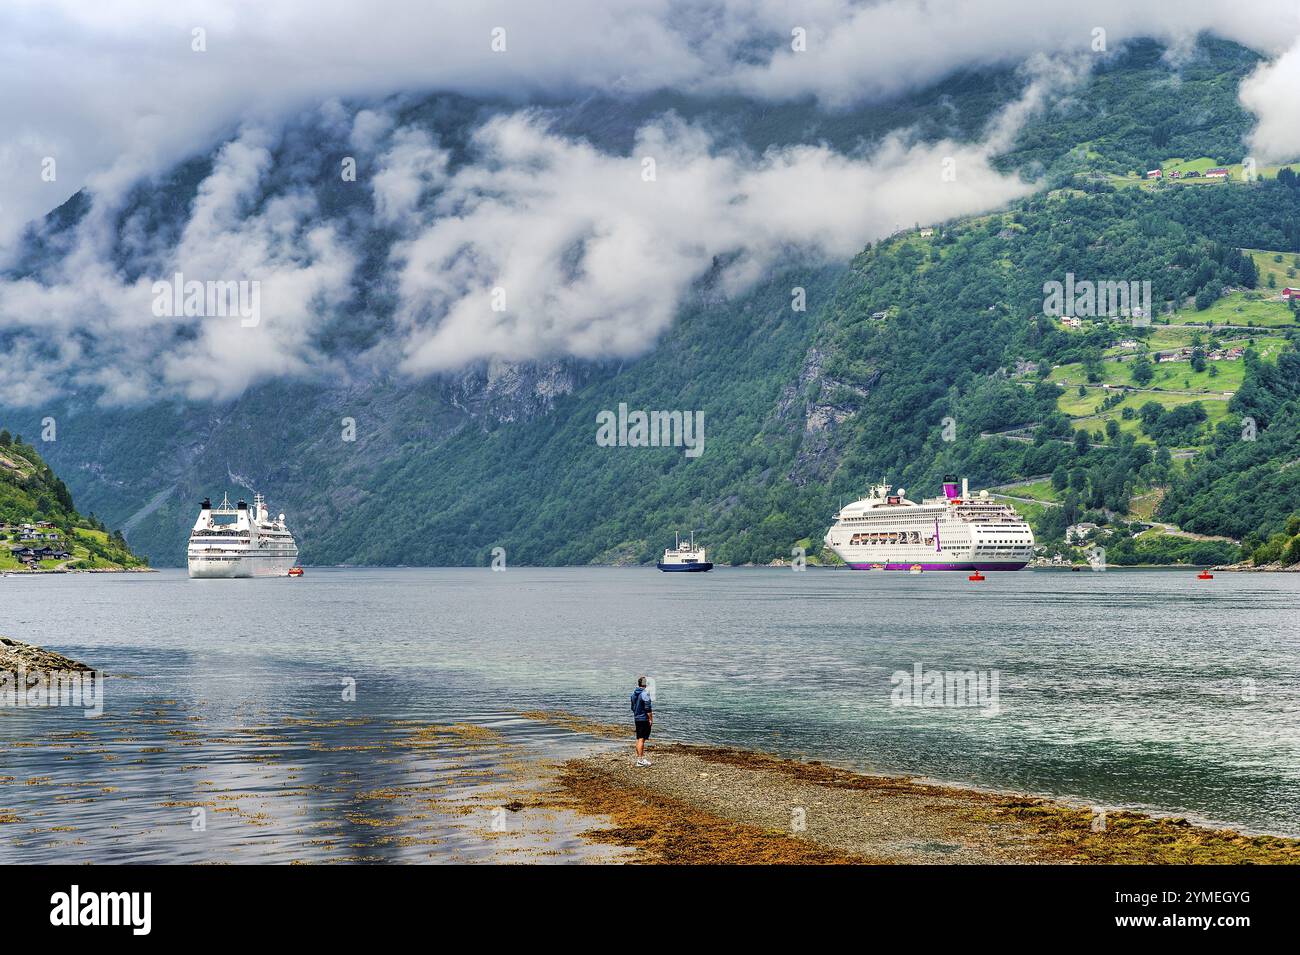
(37, 515)
(904, 365)
(802, 410)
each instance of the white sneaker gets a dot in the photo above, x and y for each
(643, 762)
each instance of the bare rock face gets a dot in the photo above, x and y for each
(16, 655)
(508, 391)
(824, 401)
(818, 403)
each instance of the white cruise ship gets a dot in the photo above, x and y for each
(886, 531)
(234, 542)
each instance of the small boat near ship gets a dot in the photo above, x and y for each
(685, 557)
(234, 541)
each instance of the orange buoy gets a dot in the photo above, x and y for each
(1205, 575)
(976, 576)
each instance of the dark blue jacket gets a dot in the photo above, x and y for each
(641, 704)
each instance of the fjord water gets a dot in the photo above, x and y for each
(1152, 690)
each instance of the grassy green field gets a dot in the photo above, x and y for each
(1041, 490)
(1217, 378)
(1152, 533)
(1215, 411)
(1285, 272)
(1173, 383)
(1139, 182)
(1169, 376)
(1072, 375)
(1212, 391)
(1239, 308)
(1199, 165)
(1143, 506)
(1179, 376)
(1083, 410)
(1169, 337)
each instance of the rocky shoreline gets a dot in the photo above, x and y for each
(488, 796)
(1245, 567)
(80, 570)
(16, 655)
(711, 805)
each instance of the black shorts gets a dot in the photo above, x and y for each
(642, 729)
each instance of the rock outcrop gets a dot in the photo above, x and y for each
(16, 655)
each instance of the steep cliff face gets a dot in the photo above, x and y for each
(503, 391)
(816, 407)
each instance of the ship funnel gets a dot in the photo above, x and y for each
(241, 505)
(949, 486)
(204, 521)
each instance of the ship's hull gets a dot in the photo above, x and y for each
(695, 568)
(954, 565)
(960, 555)
(242, 565)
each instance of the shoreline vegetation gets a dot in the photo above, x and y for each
(713, 804)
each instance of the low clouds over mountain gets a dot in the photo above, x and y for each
(592, 258)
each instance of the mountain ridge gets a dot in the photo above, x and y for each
(444, 469)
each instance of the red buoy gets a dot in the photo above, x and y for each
(976, 576)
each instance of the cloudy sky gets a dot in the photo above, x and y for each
(117, 90)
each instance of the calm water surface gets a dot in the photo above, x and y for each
(1142, 689)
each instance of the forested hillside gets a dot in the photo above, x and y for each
(39, 526)
(803, 410)
(1092, 413)
(905, 363)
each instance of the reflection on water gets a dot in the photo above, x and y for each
(275, 766)
(1152, 690)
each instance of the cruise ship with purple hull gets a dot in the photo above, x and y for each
(886, 531)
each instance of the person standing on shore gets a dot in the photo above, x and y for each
(643, 716)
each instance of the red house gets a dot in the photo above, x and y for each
(1291, 293)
